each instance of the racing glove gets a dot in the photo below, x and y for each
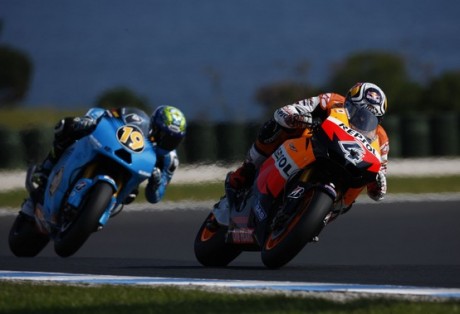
(83, 126)
(161, 176)
(294, 116)
(68, 130)
(155, 187)
(377, 190)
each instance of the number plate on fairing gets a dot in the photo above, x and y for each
(131, 137)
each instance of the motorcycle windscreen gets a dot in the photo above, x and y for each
(363, 121)
(137, 117)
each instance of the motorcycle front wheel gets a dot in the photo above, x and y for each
(286, 241)
(69, 240)
(210, 247)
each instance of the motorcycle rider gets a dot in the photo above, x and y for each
(167, 128)
(291, 120)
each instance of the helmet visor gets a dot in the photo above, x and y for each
(167, 141)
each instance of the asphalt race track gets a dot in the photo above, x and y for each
(397, 243)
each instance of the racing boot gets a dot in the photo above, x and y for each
(232, 193)
(38, 180)
(28, 207)
(40, 176)
(243, 177)
(42, 172)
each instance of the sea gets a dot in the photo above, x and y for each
(209, 57)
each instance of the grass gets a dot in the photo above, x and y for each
(424, 184)
(43, 298)
(214, 190)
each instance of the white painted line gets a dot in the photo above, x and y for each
(447, 293)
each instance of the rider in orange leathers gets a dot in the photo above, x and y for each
(291, 121)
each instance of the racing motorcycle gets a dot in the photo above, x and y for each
(88, 184)
(314, 177)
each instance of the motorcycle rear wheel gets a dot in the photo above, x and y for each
(282, 245)
(25, 240)
(69, 241)
(210, 247)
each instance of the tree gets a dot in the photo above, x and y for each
(15, 73)
(384, 69)
(441, 93)
(122, 97)
(280, 94)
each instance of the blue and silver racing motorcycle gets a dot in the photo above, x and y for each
(88, 184)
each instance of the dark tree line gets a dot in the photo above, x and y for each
(390, 71)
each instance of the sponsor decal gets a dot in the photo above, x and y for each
(283, 113)
(260, 212)
(80, 186)
(297, 192)
(283, 163)
(359, 137)
(242, 236)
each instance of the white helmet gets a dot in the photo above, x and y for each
(367, 95)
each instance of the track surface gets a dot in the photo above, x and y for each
(398, 243)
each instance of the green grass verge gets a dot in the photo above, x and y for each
(424, 184)
(43, 298)
(214, 190)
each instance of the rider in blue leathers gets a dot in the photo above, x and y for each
(166, 130)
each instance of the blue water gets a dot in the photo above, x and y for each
(208, 57)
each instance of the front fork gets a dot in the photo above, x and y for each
(302, 185)
(343, 198)
(83, 186)
(329, 187)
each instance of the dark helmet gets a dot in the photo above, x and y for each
(168, 126)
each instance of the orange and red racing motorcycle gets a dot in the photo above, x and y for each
(311, 179)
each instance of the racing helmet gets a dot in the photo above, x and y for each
(167, 127)
(369, 96)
